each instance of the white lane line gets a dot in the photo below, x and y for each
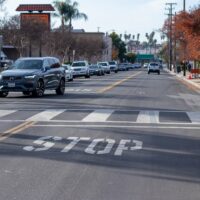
(118, 126)
(98, 116)
(106, 122)
(194, 117)
(148, 117)
(6, 112)
(46, 115)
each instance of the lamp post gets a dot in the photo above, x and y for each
(184, 5)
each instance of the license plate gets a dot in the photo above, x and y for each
(11, 84)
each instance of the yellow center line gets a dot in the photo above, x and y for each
(16, 129)
(105, 89)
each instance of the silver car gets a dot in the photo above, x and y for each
(105, 66)
(68, 72)
(80, 68)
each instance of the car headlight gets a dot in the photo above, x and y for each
(30, 77)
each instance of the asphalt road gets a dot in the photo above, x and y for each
(125, 136)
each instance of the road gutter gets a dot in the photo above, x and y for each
(110, 87)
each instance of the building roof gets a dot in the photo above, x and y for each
(35, 7)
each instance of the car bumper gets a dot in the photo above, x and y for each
(113, 69)
(154, 70)
(17, 86)
(80, 73)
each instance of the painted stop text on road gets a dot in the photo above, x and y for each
(98, 146)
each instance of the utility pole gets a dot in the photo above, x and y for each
(98, 28)
(184, 5)
(1, 44)
(175, 45)
(170, 15)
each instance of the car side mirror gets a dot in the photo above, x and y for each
(47, 68)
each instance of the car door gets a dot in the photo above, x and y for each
(56, 72)
(46, 73)
(50, 74)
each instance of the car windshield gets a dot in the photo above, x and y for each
(28, 64)
(154, 64)
(103, 64)
(78, 64)
(112, 63)
(94, 66)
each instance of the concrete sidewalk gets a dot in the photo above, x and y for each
(193, 82)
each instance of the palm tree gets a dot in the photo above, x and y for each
(62, 12)
(150, 39)
(73, 13)
(68, 11)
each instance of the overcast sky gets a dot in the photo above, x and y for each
(123, 16)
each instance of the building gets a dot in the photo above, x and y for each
(102, 51)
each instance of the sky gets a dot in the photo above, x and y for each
(122, 16)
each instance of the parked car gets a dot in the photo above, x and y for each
(153, 67)
(80, 68)
(105, 66)
(96, 70)
(124, 66)
(137, 65)
(145, 65)
(113, 66)
(33, 76)
(68, 72)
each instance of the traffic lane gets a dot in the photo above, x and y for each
(150, 92)
(167, 166)
(74, 99)
(96, 82)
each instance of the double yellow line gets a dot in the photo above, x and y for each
(117, 83)
(16, 129)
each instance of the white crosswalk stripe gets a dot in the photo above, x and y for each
(46, 115)
(148, 117)
(98, 116)
(6, 112)
(101, 115)
(194, 117)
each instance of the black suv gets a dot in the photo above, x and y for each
(32, 76)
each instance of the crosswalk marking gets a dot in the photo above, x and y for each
(46, 115)
(194, 117)
(98, 116)
(6, 112)
(148, 117)
(102, 115)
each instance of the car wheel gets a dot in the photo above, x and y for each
(158, 73)
(116, 71)
(148, 72)
(26, 93)
(3, 94)
(61, 89)
(39, 91)
(87, 76)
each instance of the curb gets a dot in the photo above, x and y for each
(183, 79)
